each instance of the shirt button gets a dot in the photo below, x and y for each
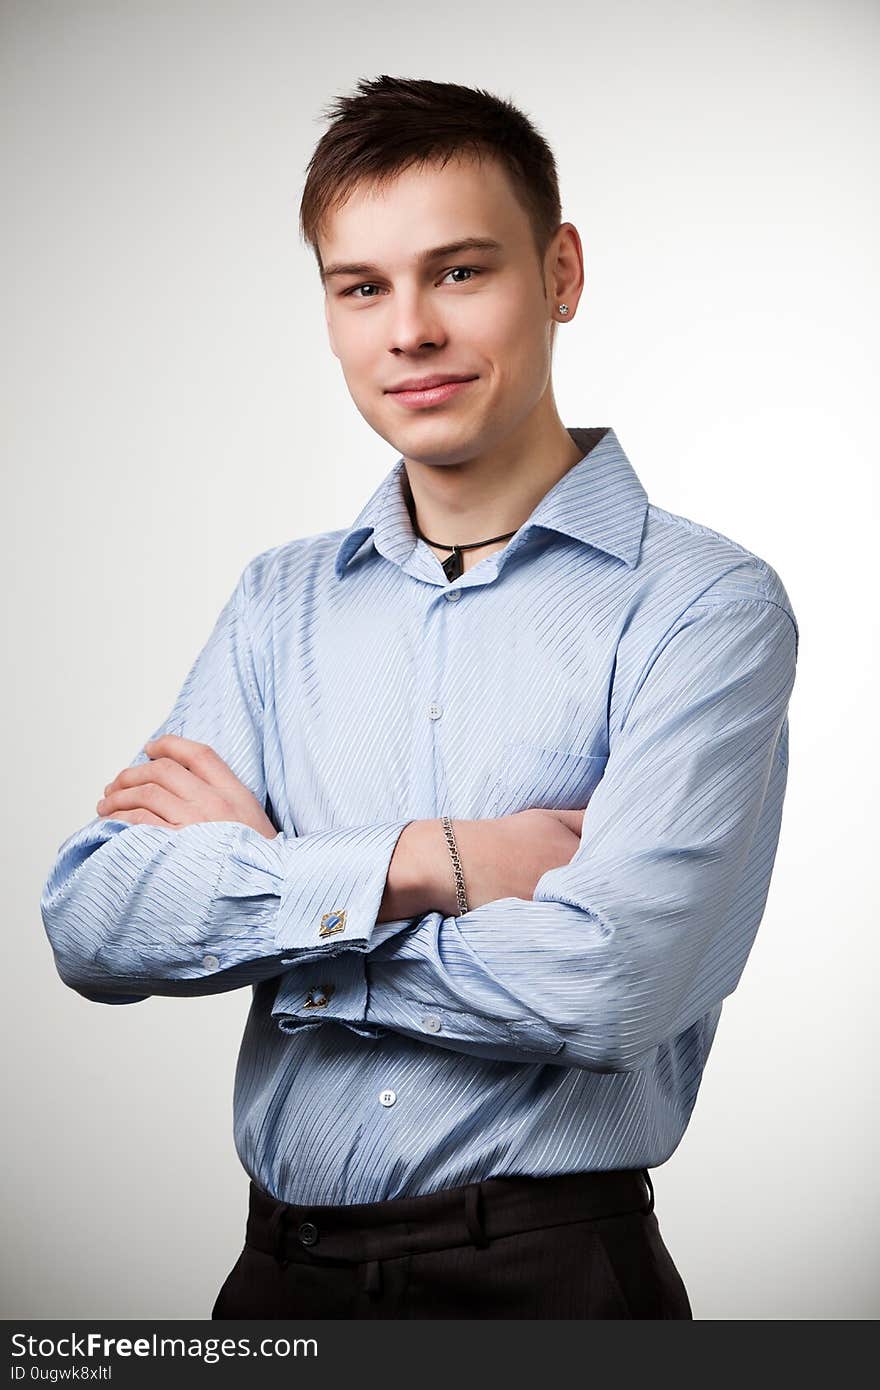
(210, 962)
(308, 1233)
(432, 1023)
(453, 595)
(387, 1097)
(435, 711)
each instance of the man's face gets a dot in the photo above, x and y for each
(479, 313)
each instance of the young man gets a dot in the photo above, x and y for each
(481, 795)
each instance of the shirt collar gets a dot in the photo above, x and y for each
(599, 501)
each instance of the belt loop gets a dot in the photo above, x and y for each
(278, 1233)
(650, 1190)
(472, 1216)
(371, 1281)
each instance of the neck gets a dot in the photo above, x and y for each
(489, 494)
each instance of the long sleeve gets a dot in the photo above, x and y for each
(649, 926)
(136, 910)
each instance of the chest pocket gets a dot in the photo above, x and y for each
(549, 779)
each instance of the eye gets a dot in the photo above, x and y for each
(468, 270)
(346, 294)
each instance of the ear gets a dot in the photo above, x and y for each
(566, 265)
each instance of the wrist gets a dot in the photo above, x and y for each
(461, 898)
(420, 874)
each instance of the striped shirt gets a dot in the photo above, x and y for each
(613, 656)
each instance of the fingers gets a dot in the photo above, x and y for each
(139, 817)
(165, 772)
(147, 796)
(183, 781)
(198, 758)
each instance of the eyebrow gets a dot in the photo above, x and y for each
(471, 243)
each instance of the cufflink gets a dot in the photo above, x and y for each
(332, 922)
(318, 997)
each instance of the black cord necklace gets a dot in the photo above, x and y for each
(453, 566)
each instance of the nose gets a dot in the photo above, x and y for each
(415, 324)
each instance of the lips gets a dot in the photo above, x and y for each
(419, 396)
(426, 383)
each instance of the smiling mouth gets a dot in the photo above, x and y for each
(431, 395)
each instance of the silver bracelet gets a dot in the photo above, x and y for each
(460, 892)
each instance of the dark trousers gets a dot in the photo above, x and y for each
(582, 1245)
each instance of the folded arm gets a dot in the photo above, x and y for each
(133, 910)
(649, 925)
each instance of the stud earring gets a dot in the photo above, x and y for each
(563, 308)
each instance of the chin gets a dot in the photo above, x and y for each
(435, 426)
(438, 441)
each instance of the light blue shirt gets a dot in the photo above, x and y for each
(612, 655)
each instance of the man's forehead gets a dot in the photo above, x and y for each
(369, 239)
(427, 220)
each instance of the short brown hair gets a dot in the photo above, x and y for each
(396, 122)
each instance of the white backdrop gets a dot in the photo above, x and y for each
(173, 408)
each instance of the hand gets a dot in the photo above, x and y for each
(574, 820)
(184, 782)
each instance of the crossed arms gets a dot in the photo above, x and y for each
(630, 929)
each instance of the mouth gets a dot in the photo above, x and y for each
(418, 397)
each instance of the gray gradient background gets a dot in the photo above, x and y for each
(172, 408)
